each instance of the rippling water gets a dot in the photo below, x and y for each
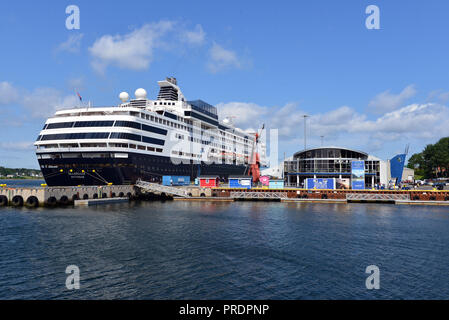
(217, 250)
(28, 183)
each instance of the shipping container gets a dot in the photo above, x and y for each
(209, 181)
(176, 180)
(240, 182)
(276, 184)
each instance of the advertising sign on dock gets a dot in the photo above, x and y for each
(320, 183)
(358, 175)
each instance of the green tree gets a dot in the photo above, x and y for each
(433, 161)
(416, 161)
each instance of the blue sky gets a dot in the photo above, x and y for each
(271, 62)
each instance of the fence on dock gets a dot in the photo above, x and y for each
(377, 196)
(258, 195)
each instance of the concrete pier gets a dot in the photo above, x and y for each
(52, 196)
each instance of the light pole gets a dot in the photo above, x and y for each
(305, 132)
(322, 140)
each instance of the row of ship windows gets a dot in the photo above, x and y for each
(126, 124)
(83, 124)
(164, 103)
(169, 123)
(100, 145)
(208, 143)
(121, 135)
(122, 145)
(213, 154)
(129, 124)
(100, 135)
(186, 154)
(190, 122)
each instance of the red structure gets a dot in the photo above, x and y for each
(209, 181)
(254, 169)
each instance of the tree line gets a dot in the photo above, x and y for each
(433, 161)
(19, 171)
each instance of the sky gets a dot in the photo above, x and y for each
(271, 62)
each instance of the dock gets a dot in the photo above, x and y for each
(142, 190)
(54, 196)
(411, 197)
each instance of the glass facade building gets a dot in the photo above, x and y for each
(329, 162)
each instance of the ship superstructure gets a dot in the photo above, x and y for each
(141, 138)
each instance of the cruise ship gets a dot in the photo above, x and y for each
(141, 139)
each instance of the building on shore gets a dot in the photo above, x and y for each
(339, 163)
(408, 174)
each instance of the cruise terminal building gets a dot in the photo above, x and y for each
(338, 164)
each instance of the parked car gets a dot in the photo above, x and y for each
(439, 186)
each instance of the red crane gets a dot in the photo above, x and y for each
(254, 164)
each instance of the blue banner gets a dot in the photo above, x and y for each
(358, 175)
(397, 168)
(320, 183)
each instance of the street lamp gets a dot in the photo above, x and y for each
(305, 132)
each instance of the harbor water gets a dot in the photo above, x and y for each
(225, 250)
(22, 183)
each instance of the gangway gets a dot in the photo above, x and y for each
(258, 195)
(388, 197)
(159, 188)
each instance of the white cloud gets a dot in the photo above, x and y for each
(43, 102)
(17, 146)
(244, 115)
(75, 83)
(221, 59)
(194, 37)
(130, 51)
(387, 101)
(8, 93)
(343, 126)
(136, 50)
(72, 44)
(415, 120)
(438, 95)
(40, 102)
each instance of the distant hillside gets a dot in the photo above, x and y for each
(19, 172)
